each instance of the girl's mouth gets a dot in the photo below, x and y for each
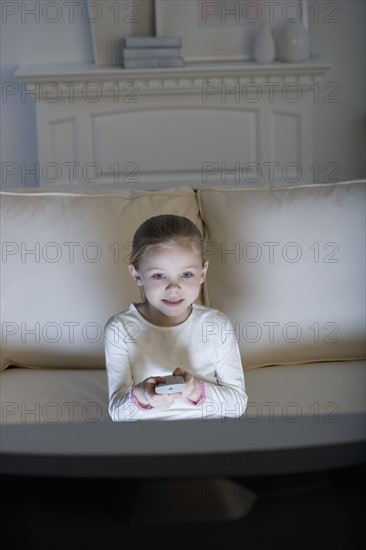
(173, 302)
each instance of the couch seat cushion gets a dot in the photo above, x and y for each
(325, 390)
(53, 395)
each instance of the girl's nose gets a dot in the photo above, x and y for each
(172, 285)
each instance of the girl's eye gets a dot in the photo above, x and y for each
(187, 275)
(158, 276)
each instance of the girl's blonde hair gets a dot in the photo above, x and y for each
(166, 230)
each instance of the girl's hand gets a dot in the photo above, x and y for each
(193, 390)
(145, 393)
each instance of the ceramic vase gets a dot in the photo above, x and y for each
(292, 42)
(264, 48)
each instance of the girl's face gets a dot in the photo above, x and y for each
(171, 278)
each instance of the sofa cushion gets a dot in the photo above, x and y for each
(64, 269)
(288, 267)
(321, 390)
(36, 396)
(329, 389)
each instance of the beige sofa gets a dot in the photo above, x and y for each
(287, 265)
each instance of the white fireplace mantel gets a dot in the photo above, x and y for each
(72, 78)
(203, 124)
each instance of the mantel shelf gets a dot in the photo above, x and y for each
(186, 79)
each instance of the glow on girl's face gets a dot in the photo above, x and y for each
(171, 277)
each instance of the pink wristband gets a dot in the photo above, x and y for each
(136, 402)
(202, 398)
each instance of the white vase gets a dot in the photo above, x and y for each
(292, 42)
(264, 47)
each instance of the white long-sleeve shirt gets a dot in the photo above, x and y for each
(204, 344)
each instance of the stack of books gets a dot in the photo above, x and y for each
(138, 52)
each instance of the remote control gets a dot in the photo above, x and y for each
(174, 384)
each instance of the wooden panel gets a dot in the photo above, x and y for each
(286, 145)
(61, 166)
(199, 145)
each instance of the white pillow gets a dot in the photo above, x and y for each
(288, 267)
(64, 269)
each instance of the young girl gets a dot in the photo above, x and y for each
(169, 334)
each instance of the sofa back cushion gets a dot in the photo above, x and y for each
(64, 269)
(288, 267)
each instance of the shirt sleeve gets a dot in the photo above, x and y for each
(122, 403)
(226, 398)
